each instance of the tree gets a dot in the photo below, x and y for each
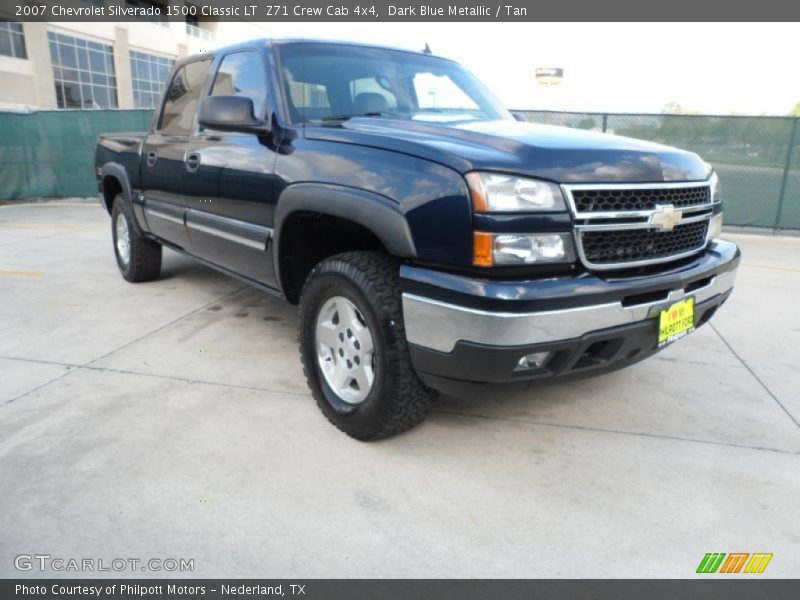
(672, 108)
(795, 111)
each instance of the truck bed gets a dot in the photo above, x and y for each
(122, 148)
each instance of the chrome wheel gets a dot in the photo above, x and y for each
(345, 350)
(123, 239)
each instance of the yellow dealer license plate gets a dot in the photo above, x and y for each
(676, 321)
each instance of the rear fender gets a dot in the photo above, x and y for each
(118, 172)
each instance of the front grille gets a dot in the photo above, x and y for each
(633, 245)
(608, 200)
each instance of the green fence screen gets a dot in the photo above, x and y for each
(51, 153)
(757, 158)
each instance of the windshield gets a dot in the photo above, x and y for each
(326, 82)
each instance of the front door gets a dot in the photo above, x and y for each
(229, 177)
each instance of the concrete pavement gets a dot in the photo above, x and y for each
(171, 420)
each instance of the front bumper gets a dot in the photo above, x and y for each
(472, 330)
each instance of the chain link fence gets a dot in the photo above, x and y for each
(51, 153)
(757, 158)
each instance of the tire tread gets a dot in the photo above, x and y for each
(145, 261)
(377, 276)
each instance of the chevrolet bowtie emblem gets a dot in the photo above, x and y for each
(665, 217)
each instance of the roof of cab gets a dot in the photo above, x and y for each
(266, 42)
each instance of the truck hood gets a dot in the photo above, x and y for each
(558, 154)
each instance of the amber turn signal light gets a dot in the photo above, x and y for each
(477, 193)
(482, 249)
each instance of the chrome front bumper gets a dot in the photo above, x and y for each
(439, 326)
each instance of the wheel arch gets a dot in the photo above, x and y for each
(115, 181)
(372, 213)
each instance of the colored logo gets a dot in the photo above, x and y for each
(735, 562)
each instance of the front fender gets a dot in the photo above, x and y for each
(376, 213)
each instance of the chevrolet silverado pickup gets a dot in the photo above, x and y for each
(433, 242)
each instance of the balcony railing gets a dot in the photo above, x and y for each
(199, 32)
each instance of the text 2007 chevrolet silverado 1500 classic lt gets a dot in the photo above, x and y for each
(432, 241)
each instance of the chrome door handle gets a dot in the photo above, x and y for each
(192, 162)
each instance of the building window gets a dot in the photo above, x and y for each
(159, 11)
(12, 40)
(83, 72)
(148, 73)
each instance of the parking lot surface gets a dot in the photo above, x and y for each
(171, 420)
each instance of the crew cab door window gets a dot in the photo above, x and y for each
(182, 97)
(242, 74)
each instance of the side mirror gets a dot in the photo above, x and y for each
(519, 117)
(231, 113)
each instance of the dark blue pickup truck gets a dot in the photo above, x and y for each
(432, 241)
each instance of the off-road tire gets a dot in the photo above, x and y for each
(398, 400)
(145, 254)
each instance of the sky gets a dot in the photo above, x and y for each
(713, 68)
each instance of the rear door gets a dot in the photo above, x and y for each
(229, 179)
(164, 152)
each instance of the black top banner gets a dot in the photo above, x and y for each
(398, 10)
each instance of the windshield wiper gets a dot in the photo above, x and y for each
(330, 118)
(382, 113)
(341, 118)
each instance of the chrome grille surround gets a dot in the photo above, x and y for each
(621, 220)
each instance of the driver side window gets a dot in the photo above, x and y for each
(242, 74)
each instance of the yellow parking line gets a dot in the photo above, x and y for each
(18, 225)
(21, 273)
(773, 267)
(92, 204)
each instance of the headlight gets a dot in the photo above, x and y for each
(491, 192)
(715, 223)
(508, 249)
(716, 190)
(714, 227)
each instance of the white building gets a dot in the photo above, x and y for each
(54, 65)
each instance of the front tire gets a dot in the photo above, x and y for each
(354, 350)
(138, 258)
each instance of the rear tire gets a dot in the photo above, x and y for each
(354, 350)
(138, 258)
